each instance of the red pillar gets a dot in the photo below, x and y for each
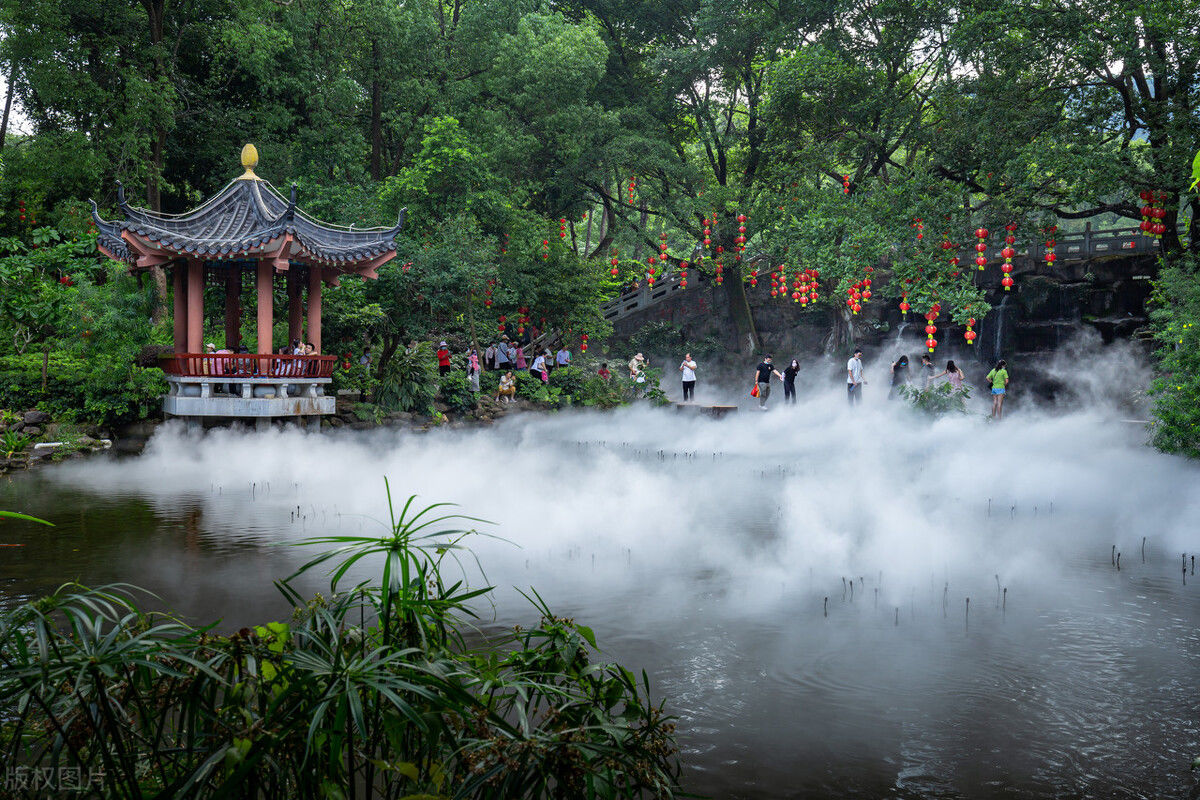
(179, 279)
(314, 306)
(295, 311)
(195, 306)
(233, 308)
(266, 277)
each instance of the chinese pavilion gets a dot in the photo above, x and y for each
(246, 239)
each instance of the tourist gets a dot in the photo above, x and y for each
(762, 379)
(926, 371)
(297, 347)
(854, 378)
(518, 354)
(443, 358)
(547, 360)
(603, 371)
(563, 357)
(489, 357)
(502, 355)
(688, 374)
(473, 369)
(508, 387)
(789, 382)
(636, 365)
(365, 359)
(999, 380)
(899, 376)
(952, 374)
(310, 349)
(538, 370)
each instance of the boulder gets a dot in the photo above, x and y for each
(86, 442)
(35, 417)
(32, 430)
(335, 422)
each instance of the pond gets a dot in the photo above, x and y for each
(834, 604)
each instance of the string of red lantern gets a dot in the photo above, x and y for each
(930, 328)
(740, 239)
(562, 228)
(583, 344)
(650, 271)
(1153, 213)
(920, 226)
(720, 269)
(981, 235)
(1050, 256)
(614, 271)
(545, 249)
(632, 185)
(683, 273)
(845, 184)
(1008, 252)
(969, 335)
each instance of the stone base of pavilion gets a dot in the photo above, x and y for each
(205, 388)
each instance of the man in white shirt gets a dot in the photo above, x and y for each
(854, 379)
(688, 372)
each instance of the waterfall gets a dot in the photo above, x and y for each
(999, 342)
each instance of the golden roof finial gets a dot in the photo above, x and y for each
(249, 161)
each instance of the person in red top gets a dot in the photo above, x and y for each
(603, 372)
(443, 356)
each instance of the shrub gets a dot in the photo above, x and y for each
(568, 380)
(600, 393)
(408, 381)
(455, 389)
(1176, 323)
(936, 400)
(104, 390)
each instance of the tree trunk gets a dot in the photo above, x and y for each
(45, 362)
(587, 239)
(8, 96)
(740, 314)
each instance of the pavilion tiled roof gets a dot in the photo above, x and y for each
(247, 214)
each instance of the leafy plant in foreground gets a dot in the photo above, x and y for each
(377, 690)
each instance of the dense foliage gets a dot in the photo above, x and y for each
(534, 144)
(377, 690)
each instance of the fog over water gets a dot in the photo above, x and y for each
(796, 582)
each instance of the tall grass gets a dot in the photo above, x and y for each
(374, 691)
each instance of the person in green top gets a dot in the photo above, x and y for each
(999, 379)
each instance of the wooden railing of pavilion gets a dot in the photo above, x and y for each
(247, 365)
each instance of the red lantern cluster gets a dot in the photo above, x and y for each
(522, 319)
(583, 342)
(778, 282)
(21, 209)
(904, 306)
(662, 247)
(930, 328)
(1008, 252)
(632, 186)
(845, 184)
(500, 326)
(562, 228)
(708, 223)
(1153, 213)
(740, 239)
(615, 270)
(719, 268)
(804, 286)
(920, 226)
(859, 293)
(650, 271)
(1050, 256)
(545, 249)
(65, 280)
(970, 334)
(683, 269)
(981, 235)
